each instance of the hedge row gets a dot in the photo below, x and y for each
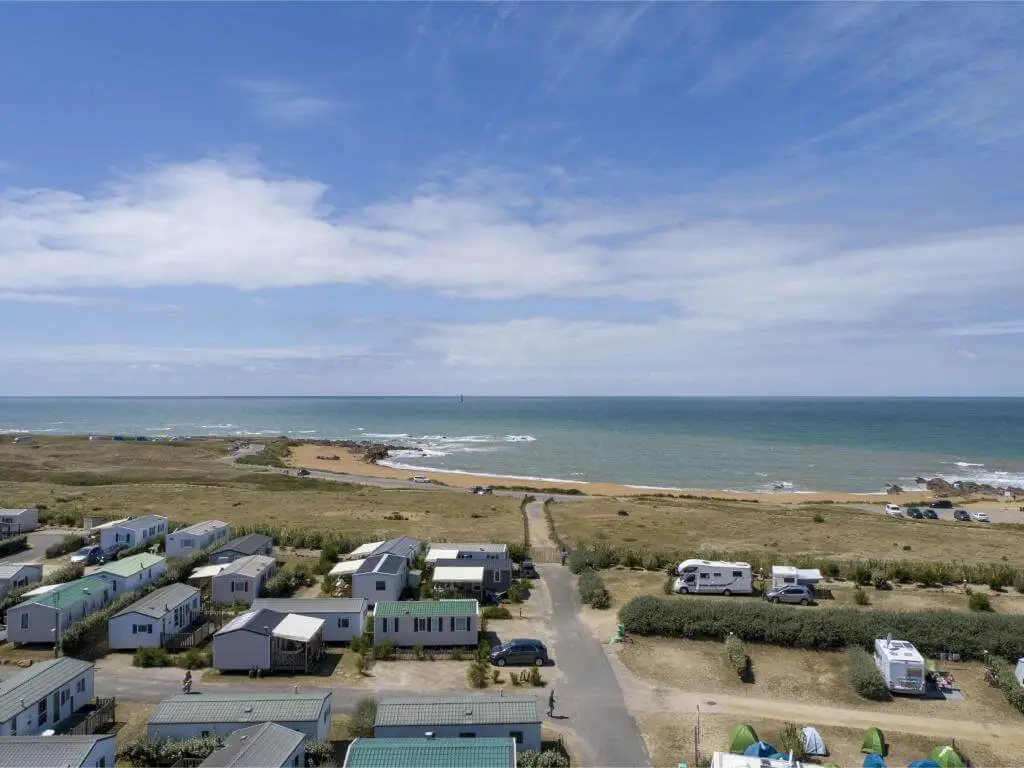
(736, 657)
(756, 621)
(65, 573)
(13, 545)
(1007, 683)
(141, 547)
(65, 546)
(144, 752)
(867, 680)
(303, 538)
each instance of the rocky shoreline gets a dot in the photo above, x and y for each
(945, 489)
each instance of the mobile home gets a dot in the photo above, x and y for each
(42, 617)
(461, 716)
(439, 623)
(186, 716)
(901, 665)
(344, 617)
(65, 751)
(149, 622)
(714, 578)
(185, 541)
(15, 575)
(132, 531)
(14, 521)
(135, 572)
(242, 580)
(381, 577)
(44, 696)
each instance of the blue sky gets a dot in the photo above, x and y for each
(511, 198)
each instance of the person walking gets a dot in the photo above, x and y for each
(551, 703)
(564, 555)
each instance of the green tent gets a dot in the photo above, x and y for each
(741, 737)
(874, 742)
(947, 757)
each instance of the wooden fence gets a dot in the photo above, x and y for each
(191, 639)
(100, 719)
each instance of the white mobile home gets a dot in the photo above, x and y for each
(185, 716)
(14, 521)
(437, 623)
(344, 617)
(714, 578)
(901, 665)
(63, 751)
(148, 622)
(788, 575)
(402, 546)
(185, 541)
(244, 546)
(267, 640)
(466, 716)
(44, 695)
(135, 572)
(131, 532)
(381, 577)
(16, 575)
(42, 618)
(242, 580)
(267, 746)
(497, 565)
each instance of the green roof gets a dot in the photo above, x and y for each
(457, 709)
(71, 592)
(255, 707)
(130, 565)
(431, 753)
(387, 609)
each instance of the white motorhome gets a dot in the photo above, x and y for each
(714, 578)
(901, 665)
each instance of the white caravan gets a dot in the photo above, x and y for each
(714, 578)
(901, 665)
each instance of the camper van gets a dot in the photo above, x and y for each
(901, 666)
(714, 578)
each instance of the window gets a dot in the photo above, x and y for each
(517, 735)
(102, 762)
(64, 697)
(343, 623)
(385, 627)
(135, 629)
(421, 625)
(396, 624)
(24, 621)
(80, 686)
(737, 574)
(467, 735)
(381, 586)
(42, 711)
(295, 762)
(718, 575)
(462, 623)
(205, 734)
(14, 726)
(705, 575)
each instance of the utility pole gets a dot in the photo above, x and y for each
(696, 739)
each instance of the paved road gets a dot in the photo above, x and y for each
(38, 541)
(589, 694)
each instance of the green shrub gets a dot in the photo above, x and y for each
(736, 657)
(157, 545)
(65, 546)
(592, 590)
(862, 575)
(577, 561)
(818, 519)
(534, 677)
(148, 753)
(969, 634)
(652, 562)
(194, 658)
(979, 602)
(151, 657)
(860, 597)
(791, 741)
(1007, 683)
(360, 725)
(518, 551)
(549, 758)
(385, 651)
(1019, 584)
(996, 582)
(286, 581)
(319, 754)
(479, 674)
(867, 681)
(496, 612)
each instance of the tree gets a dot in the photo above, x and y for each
(363, 718)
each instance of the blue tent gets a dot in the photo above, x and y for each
(874, 761)
(929, 763)
(760, 749)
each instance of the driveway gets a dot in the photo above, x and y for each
(38, 541)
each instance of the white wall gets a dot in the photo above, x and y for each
(26, 521)
(131, 534)
(531, 732)
(102, 752)
(30, 574)
(77, 693)
(181, 543)
(140, 579)
(407, 636)
(365, 585)
(121, 637)
(41, 618)
(241, 650)
(222, 593)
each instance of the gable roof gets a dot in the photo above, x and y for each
(263, 745)
(403, 546)
(488, 708)
(250, 565)
(396, 608)
(39, 680)
(140, 522)
(253, 621)
(254, 707)
(249, 544)
(16, 512)
(48, 751)
(198, 529)
(389, 564)
(130, 566)
(431, 753)
(471, 547)
(69, 593)
(311, 605)
(160, 602)
(10, 570)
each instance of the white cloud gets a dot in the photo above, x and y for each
(193, 356)
(48, 298)
(284, 102)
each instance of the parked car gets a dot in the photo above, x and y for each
(961, 514)
(527, 570)
(915, 513)
(930, 513)
(520, 652)
(303, 473)
(798, 594)
(420, 479)
(894, 510)
(91, 555)
(941, 504)
(981, 517)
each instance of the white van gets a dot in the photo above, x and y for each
(901, 665)
(715, 578)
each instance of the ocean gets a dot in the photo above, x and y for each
(748, 444)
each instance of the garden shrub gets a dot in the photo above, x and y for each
(149, 753)
(518, 551)
(319, 754)
(496, 612)
(791, 741)
(736, 657)
(979, 602)
(65, 546)
(360, 725)
(151, 657)
(860, 597)
(1007, 683)
(755, 621)
(865, 677)
(592, 590)
(549, 758)
(385, 651)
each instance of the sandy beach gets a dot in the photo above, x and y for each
(352, 464)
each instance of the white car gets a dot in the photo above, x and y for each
(420, 479)
(980, 517)
(894, 510)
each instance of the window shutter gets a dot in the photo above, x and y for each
(415, 625)
(385, 624)
(135, 629)
(453, 623)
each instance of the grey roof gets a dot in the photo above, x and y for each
(457, 710)
(308, 605)
(14, 512)
(389, 564)
(249, 544)
(470, 547)
(403, 546)
(198, 529)
(266, 746)
(253, 621)
(253, 707)
(160, 602)
(10, 570)
(250, 565)
(39, 680)
(48, 751)
(145, 520)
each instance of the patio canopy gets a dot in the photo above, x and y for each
(346, 568)
(469, 574)
(439, 553)
(301, 629)
(207, 571)
(363, 550)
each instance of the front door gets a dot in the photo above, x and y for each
(56, 708)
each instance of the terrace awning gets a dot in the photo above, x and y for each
(301, 629)
(454, 574)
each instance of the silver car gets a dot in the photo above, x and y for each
(796, 594)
